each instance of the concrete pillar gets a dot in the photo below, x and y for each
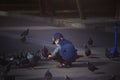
(117, 9)
(42, 6)
(46, 7)
(80, 9)
(50, 8)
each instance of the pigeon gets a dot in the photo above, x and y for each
(45, 52)
(91, 67)
(37, 53)
(48, 75)
(113, 77)
(36, 57)
(67, 78)
(87, 51)
(23, 39)
(90, 41)
(25, 33)
(29, 55)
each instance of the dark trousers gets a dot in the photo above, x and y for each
(61, 60)
(58, 58)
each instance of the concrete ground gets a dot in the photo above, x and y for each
(11, 44)
(39, 36)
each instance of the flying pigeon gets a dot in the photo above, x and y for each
(91, 67)
(48, 75)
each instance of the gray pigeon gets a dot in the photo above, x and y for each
(67, 78)
(91, 67)
(36, 57)
(48, 75)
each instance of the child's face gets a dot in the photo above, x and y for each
(56, 41)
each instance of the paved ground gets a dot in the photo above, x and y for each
(39, 36)
(11, 44)
(79, 71)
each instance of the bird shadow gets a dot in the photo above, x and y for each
(99, 72)
(17, 75)
(84, 62)
(36, 68)
(99, 63)
(94, 57)
(79, 65)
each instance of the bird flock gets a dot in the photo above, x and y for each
(32, 58)
(49, 76)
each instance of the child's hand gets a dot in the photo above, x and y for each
(49, 56)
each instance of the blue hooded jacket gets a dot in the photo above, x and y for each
(68, 51)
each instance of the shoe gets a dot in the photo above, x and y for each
(61, 65)
(64, 65)
(67, 66)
